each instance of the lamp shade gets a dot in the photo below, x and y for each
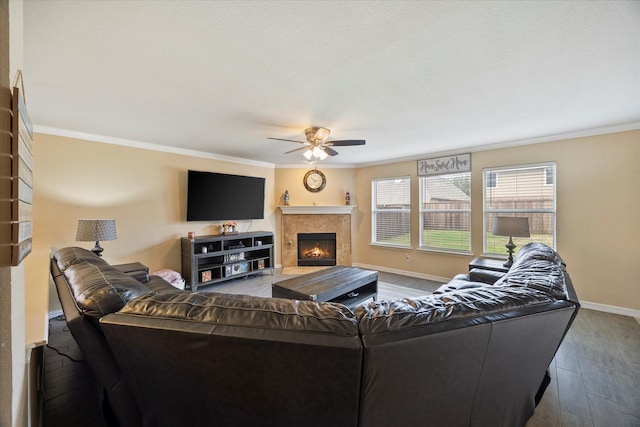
(93, 230)
(511, 226)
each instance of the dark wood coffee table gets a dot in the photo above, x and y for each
(347, 285)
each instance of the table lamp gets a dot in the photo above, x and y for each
(94, 230)
(513, 227)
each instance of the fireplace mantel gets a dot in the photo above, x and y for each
(316, 210)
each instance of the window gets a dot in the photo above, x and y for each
(445, 212)
(391, 211)
(522, 191)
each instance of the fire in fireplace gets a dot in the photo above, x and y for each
(316, 249)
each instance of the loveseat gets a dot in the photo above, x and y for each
(472, 354)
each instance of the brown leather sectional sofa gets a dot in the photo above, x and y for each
(471, 354)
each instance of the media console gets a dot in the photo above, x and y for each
(207, 260)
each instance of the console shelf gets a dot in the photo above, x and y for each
(207, 260)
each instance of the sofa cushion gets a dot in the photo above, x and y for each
(71, 255)
(246, 311)
(477, 305)
(98, 288)
(538, 251)
(485, 276)
(537, 266)
(460, 281)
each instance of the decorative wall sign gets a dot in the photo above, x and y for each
(22, 179)
(444, 165)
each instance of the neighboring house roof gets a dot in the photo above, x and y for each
(443, 189)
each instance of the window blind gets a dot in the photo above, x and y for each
(391, 211)
(445, 212)
(520, 191)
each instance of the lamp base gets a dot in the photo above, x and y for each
(510, 247)
(97, 249)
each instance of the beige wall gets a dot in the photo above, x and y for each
(598, 219)
(143, 190)
(339, 180)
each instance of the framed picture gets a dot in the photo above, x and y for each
(260, 264)
(205, 276)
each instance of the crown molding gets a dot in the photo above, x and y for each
(146, 145)
(621, 127)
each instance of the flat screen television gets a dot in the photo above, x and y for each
(215, 196)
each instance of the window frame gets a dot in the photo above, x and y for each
(422, 180)
(545, 167)
(375, 211)
(493, 181)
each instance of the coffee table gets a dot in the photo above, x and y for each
(350, 286)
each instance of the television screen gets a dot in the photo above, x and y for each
(218, 196)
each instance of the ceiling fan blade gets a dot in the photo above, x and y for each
(290, 140)
(296, 149)
(330, 151)
(345, 142)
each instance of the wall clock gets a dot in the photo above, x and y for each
(314, 180)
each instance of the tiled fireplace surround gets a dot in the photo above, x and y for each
(316, 219)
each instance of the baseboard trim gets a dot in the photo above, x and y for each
(404, 273)
(610, 309)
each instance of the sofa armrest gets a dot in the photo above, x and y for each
(485, 276)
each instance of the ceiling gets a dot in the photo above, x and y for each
(412, 78)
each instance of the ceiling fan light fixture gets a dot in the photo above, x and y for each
(317, 135)
(322, 134)
(317, 147)
(308, 154)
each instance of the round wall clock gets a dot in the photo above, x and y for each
(314, 180)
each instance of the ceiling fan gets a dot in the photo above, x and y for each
(317, 147)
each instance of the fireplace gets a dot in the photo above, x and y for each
(316, 219)
(316, 249)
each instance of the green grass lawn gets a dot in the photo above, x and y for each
(456, 240)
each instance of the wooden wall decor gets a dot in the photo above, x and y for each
(21, 179)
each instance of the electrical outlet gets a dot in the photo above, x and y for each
(407, 258)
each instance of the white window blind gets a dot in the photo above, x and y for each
(445, 212)
(520, 191)
(391, 211)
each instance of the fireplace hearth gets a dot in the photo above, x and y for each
(316, 249)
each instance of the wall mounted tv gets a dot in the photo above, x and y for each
(217, 196)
